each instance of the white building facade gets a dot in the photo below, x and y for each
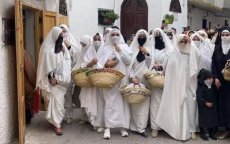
(207, 14)
(84, 15)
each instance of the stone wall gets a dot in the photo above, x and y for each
(8, 88)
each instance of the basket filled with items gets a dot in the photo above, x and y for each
(134, 93)
(80, 77)
(155, 79)
(105, 78)
(226, 71)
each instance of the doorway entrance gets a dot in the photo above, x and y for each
(134, 16)
(32, 25)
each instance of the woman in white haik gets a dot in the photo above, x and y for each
(161, 47)
(86, 43)
(91, 97)
(177, 113)
(139, 66)
(72, 46)
(116, 55)
(53, 76)
(206, 53)
(207, 41)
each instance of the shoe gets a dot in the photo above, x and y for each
(69, 120)
(144, 134)
(100, 130)
(213, 137)
(106, 134)
(193, 136)
(124, 133)
(82, 122)
(225, 135)
(204, 137)
(154, 133)
(58, 131)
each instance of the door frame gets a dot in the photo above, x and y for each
(19, 6)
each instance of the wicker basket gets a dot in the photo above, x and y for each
(155, 79)
(105, 78)
(80, 78)
(226, 72)
(134, 95)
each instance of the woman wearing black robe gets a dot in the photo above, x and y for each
(219, 59)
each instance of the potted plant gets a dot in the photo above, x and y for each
(109, 17)
(169, 19)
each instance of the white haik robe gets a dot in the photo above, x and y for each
(87, 40)
(59, 65)
(139, 112)
(159, 57)
(177, 113)
(116, 111)
(91, 97)
(74, 52)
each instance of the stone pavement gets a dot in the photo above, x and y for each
(41, 132)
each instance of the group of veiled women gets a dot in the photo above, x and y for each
(195, 97)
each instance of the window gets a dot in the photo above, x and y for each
(63, 7)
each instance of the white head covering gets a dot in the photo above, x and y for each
(68, 36)
(225, 45)
(206, 53)
(87, 40)
(106, 35)
(207, 41)
(168, 44)
(48, 60)
(135, 45)
(108, 48)
(92, 53)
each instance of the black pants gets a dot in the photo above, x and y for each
(210, 131)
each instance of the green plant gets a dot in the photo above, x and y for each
(169, 19)
(110, 15)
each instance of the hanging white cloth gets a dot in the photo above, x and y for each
(160, 58)
(177, 113)
(139, 112)
(116, 110)
(60, 66)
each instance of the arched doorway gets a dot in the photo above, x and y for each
(134, 16)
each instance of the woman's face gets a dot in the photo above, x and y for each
(115, 37)
(97, 38)
(83, 44)
(142, 35)
(183, 42)
(196, 38)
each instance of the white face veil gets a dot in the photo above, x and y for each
(87, 40)
(48, 60)
(108, 49)
(225, 43)
(92, 53)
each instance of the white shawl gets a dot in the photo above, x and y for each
(48, 60)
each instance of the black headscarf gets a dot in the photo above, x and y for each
(203, 75)
(220, 30)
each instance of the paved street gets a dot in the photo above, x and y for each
(40, 132)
